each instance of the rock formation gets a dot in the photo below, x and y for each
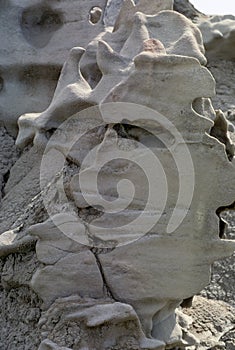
(186, 8)
(113, 208)
(218, 35)
(36, 38)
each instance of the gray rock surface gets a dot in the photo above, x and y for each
(218, 35)
(222, 286)
(212, 323)
(20, 306)
(186, 8)
(35, 41)
(9, 155)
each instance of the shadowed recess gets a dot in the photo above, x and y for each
(1, 83)
(38, 24)
(95, 14)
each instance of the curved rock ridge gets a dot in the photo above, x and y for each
(128, 170)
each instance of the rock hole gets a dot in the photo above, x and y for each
(139, 134)
(225, 217)
(1, 83)
(187, 303)
(220, 132)
(5, 179)
(38, 24)
(95, 15)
